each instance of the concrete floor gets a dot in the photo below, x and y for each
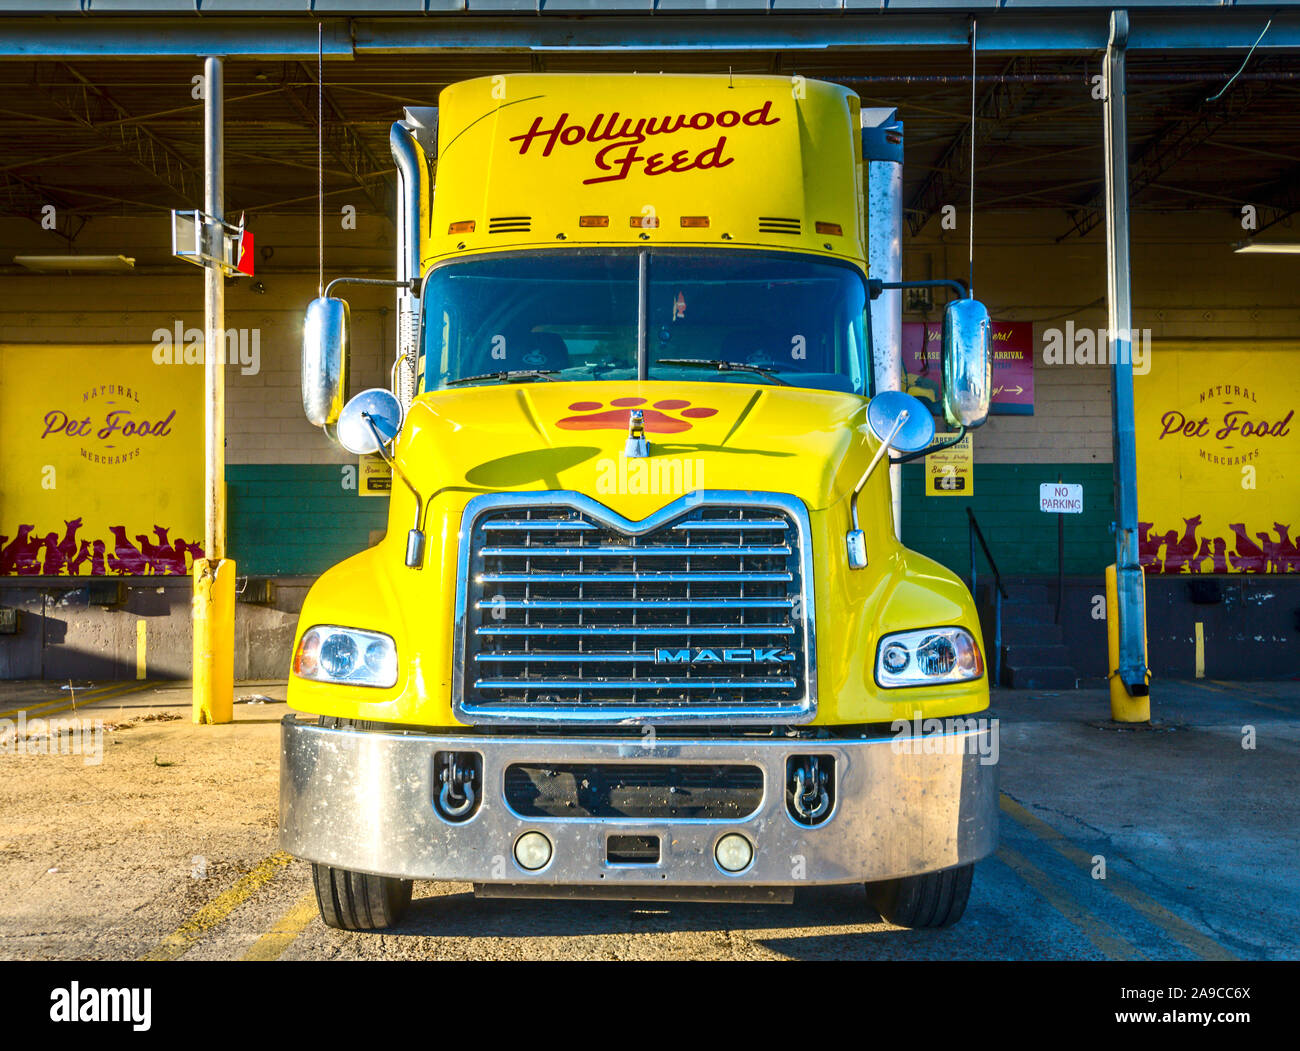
(167, 848)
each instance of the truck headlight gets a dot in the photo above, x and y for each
(346, 655)
(927, 657)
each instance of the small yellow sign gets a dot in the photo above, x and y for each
(951, 471)
(376, 477)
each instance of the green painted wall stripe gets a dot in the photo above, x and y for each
(1022, 538)
(296, 519)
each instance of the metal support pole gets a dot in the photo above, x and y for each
(882, 149)
(214, 318)
(1132, 668)
(214, 575)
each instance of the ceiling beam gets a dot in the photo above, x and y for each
(91, 106)
(339, 139)
(1277, 202)
(1171, 144)
(951, 175)
(22, 197)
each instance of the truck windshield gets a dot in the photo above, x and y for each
(578, 315)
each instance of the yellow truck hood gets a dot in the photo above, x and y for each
(705, 435)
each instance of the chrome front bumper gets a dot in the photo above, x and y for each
(365, 801)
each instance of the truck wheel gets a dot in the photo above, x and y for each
(936, 899)
(358, 901)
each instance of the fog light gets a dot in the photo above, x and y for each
(532, 851)
(734, 852)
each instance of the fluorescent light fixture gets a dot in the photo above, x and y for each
(48, 263)
(1277, 248)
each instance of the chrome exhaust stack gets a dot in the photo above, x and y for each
(412, 141)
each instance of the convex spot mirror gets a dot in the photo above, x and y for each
(371, 417)
(967, 363)
(326, 341)
(884, 413)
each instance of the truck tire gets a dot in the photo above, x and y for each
(936, 899)
(358, 901)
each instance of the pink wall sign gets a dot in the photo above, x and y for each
(1013, 365)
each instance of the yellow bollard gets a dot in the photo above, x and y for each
(1124, 708)
(214, 640)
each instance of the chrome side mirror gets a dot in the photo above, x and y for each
(369, 422)
(967, 363)
(326, 342)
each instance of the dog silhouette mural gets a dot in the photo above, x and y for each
(1168, 552)
(30, 553)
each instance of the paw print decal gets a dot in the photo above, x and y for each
(656, 418)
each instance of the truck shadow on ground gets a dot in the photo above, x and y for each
(835, 913)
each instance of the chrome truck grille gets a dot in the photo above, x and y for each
(567, 612)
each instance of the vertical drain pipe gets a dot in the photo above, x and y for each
(882, 149)
(1129, 583)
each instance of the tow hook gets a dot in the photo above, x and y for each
(457, 773)
(808, 788)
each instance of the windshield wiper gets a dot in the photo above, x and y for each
(514, 376)
(724, 366)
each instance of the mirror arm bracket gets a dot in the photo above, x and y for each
(415, 538)
(875, 286)
(907, 457)
(412, 285)
(856, 540)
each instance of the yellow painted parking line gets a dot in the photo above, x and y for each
(218, 908)
(1097, 931)
(1233, 688)
(66, 704)
(78, 695)
(1175, 926)
(272, 944)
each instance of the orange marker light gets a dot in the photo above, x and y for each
(695, 221)
(593, 220)
(830, 228)
(465, 226)
(646, 222)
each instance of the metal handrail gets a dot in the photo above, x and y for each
(999, 592)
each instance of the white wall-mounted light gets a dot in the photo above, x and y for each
(48, 263)
(1276, 248)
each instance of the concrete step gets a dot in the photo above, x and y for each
(1015, 592)
(1028, 613)
(1022, 632)
(1046, 677)
(1035, 655)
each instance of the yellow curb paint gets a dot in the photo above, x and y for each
(272, 944)
(139, 648)
(1175, 926)
(215, 911)
(1097, 931)
(65, 704)
(1200, 650)
(1238, 690)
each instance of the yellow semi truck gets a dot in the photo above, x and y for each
(641, 625)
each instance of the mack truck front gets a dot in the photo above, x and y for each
(641, 625)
